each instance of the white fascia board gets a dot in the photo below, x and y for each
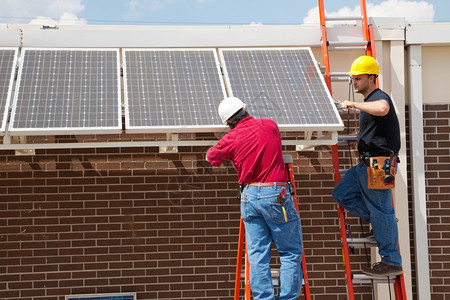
(388, 22)
(428, 34)
(388, 28)
(9, 37)
(171, 36)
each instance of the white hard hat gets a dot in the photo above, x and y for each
(229, 106)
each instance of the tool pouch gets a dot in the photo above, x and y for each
(381, 172)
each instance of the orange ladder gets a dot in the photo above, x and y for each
(367, 44)
(288, 164)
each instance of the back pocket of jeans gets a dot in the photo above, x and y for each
(245, 207)
(278, 215)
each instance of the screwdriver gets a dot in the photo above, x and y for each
(283, 195)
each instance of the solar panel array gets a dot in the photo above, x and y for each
(8, 60)
(167, 88)
(71, 91)
(283, 84)
(67, 90)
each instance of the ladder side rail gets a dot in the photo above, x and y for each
(325, 57)
(345, 253)
(247, 287)
(342, 227)
(399, 283)
(399, 288)
(290, 170)
(368, 35)
(371, 48)
(306, 289)
(336, 167)
(335, 157)
(365, 24)
(321, 13)
(237, 280)
(247, 275)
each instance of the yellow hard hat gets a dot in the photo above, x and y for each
(364, 65)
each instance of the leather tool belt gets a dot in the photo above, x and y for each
(381, 171)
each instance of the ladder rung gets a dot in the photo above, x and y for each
(363, 278)
(347, 48)
(340, 79)
(362, 242)
(349, 43)
(351, 18)
(348, 138)
(339, 74)
(287, 159)
(346, 143)
(275, 277)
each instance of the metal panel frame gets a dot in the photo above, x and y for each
(8, 95)
(169, 129)
(288, 127)
(137, 36)
(66, 130)
(97, 296)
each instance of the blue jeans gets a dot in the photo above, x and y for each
(265, 222)
(373, 206)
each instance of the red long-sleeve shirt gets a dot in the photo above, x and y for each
(254, 147)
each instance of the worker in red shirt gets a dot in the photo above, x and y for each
(267, 208)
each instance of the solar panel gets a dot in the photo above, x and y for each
(62, 91)
(283, 84)
(172, 89)
(8, 60)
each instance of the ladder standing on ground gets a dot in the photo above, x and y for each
(367, 43)
(288, 163)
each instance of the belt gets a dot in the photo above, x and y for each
(366, 159)
(265, 184)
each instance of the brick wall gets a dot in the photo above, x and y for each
(75, 221)
(166, 225)
(110, 220)
(437, 176)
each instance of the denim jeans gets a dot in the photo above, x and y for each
(373, 206)
(265, 222)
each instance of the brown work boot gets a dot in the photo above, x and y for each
(382, 269)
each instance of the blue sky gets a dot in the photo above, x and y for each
(209, 12)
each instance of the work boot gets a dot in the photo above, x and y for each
(382, 269)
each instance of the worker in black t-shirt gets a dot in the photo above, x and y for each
(379, 135)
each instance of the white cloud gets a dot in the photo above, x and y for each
(137, 8)
(71, 19)
(66, 19)
(412, 11)
(44, 21)
(21, 11)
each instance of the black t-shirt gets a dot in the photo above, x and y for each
(378, 136)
